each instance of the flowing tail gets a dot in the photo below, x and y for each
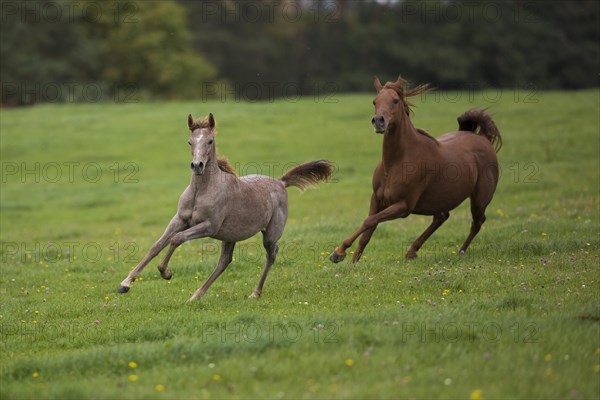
(307, 174)
(479, 118)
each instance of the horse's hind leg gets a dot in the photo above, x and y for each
(479, 203)
(438, 220)
(478, 214)
(271, 249)
(270, 237)
(481, 197)
(224, 261)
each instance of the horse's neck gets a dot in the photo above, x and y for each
(403, 140)
(210, 180)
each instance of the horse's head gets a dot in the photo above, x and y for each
(390, 103)
(387, 103)
(202, 142)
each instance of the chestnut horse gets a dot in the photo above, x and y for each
(420, 174)
(219, 204)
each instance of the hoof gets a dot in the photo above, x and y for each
(196, 296)
(123, 289)
(254, 295)
(166, 274)
(336, 258)
(411, 255)
(356, 258)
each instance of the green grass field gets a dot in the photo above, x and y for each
(86, 189)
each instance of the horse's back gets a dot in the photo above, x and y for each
(251, 206)
(466, 146)
(464, 138)
(262, 184)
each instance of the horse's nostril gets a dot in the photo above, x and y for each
(192, 165)
(373, 121)
(381, 120)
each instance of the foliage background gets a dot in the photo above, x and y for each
(74, 51)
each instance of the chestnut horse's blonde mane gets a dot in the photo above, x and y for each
(201, 123)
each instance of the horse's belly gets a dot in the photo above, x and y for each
(243, 225)
(436, 207)
(231, 234)
(437, 199)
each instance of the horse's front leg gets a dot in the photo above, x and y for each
(362, 243)
(366, 236)
(396, 210)
(203, 229)
(176, 225)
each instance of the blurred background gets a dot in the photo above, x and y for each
(70, 51)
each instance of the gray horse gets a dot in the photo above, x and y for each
(219, 204)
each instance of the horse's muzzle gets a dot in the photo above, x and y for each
(198, 168)
(379, 124)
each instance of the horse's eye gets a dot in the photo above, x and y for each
(373, 102)
(396, 101)
(190, 142)
(210, 141)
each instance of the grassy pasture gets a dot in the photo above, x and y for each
(87, 188)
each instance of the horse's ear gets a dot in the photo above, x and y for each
(401, 81)
(190, 121)
(211, 121)
(377, 83)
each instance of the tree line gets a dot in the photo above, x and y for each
(121, 50)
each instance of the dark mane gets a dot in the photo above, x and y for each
(425, 133)
(401, 87)
(225, 166)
